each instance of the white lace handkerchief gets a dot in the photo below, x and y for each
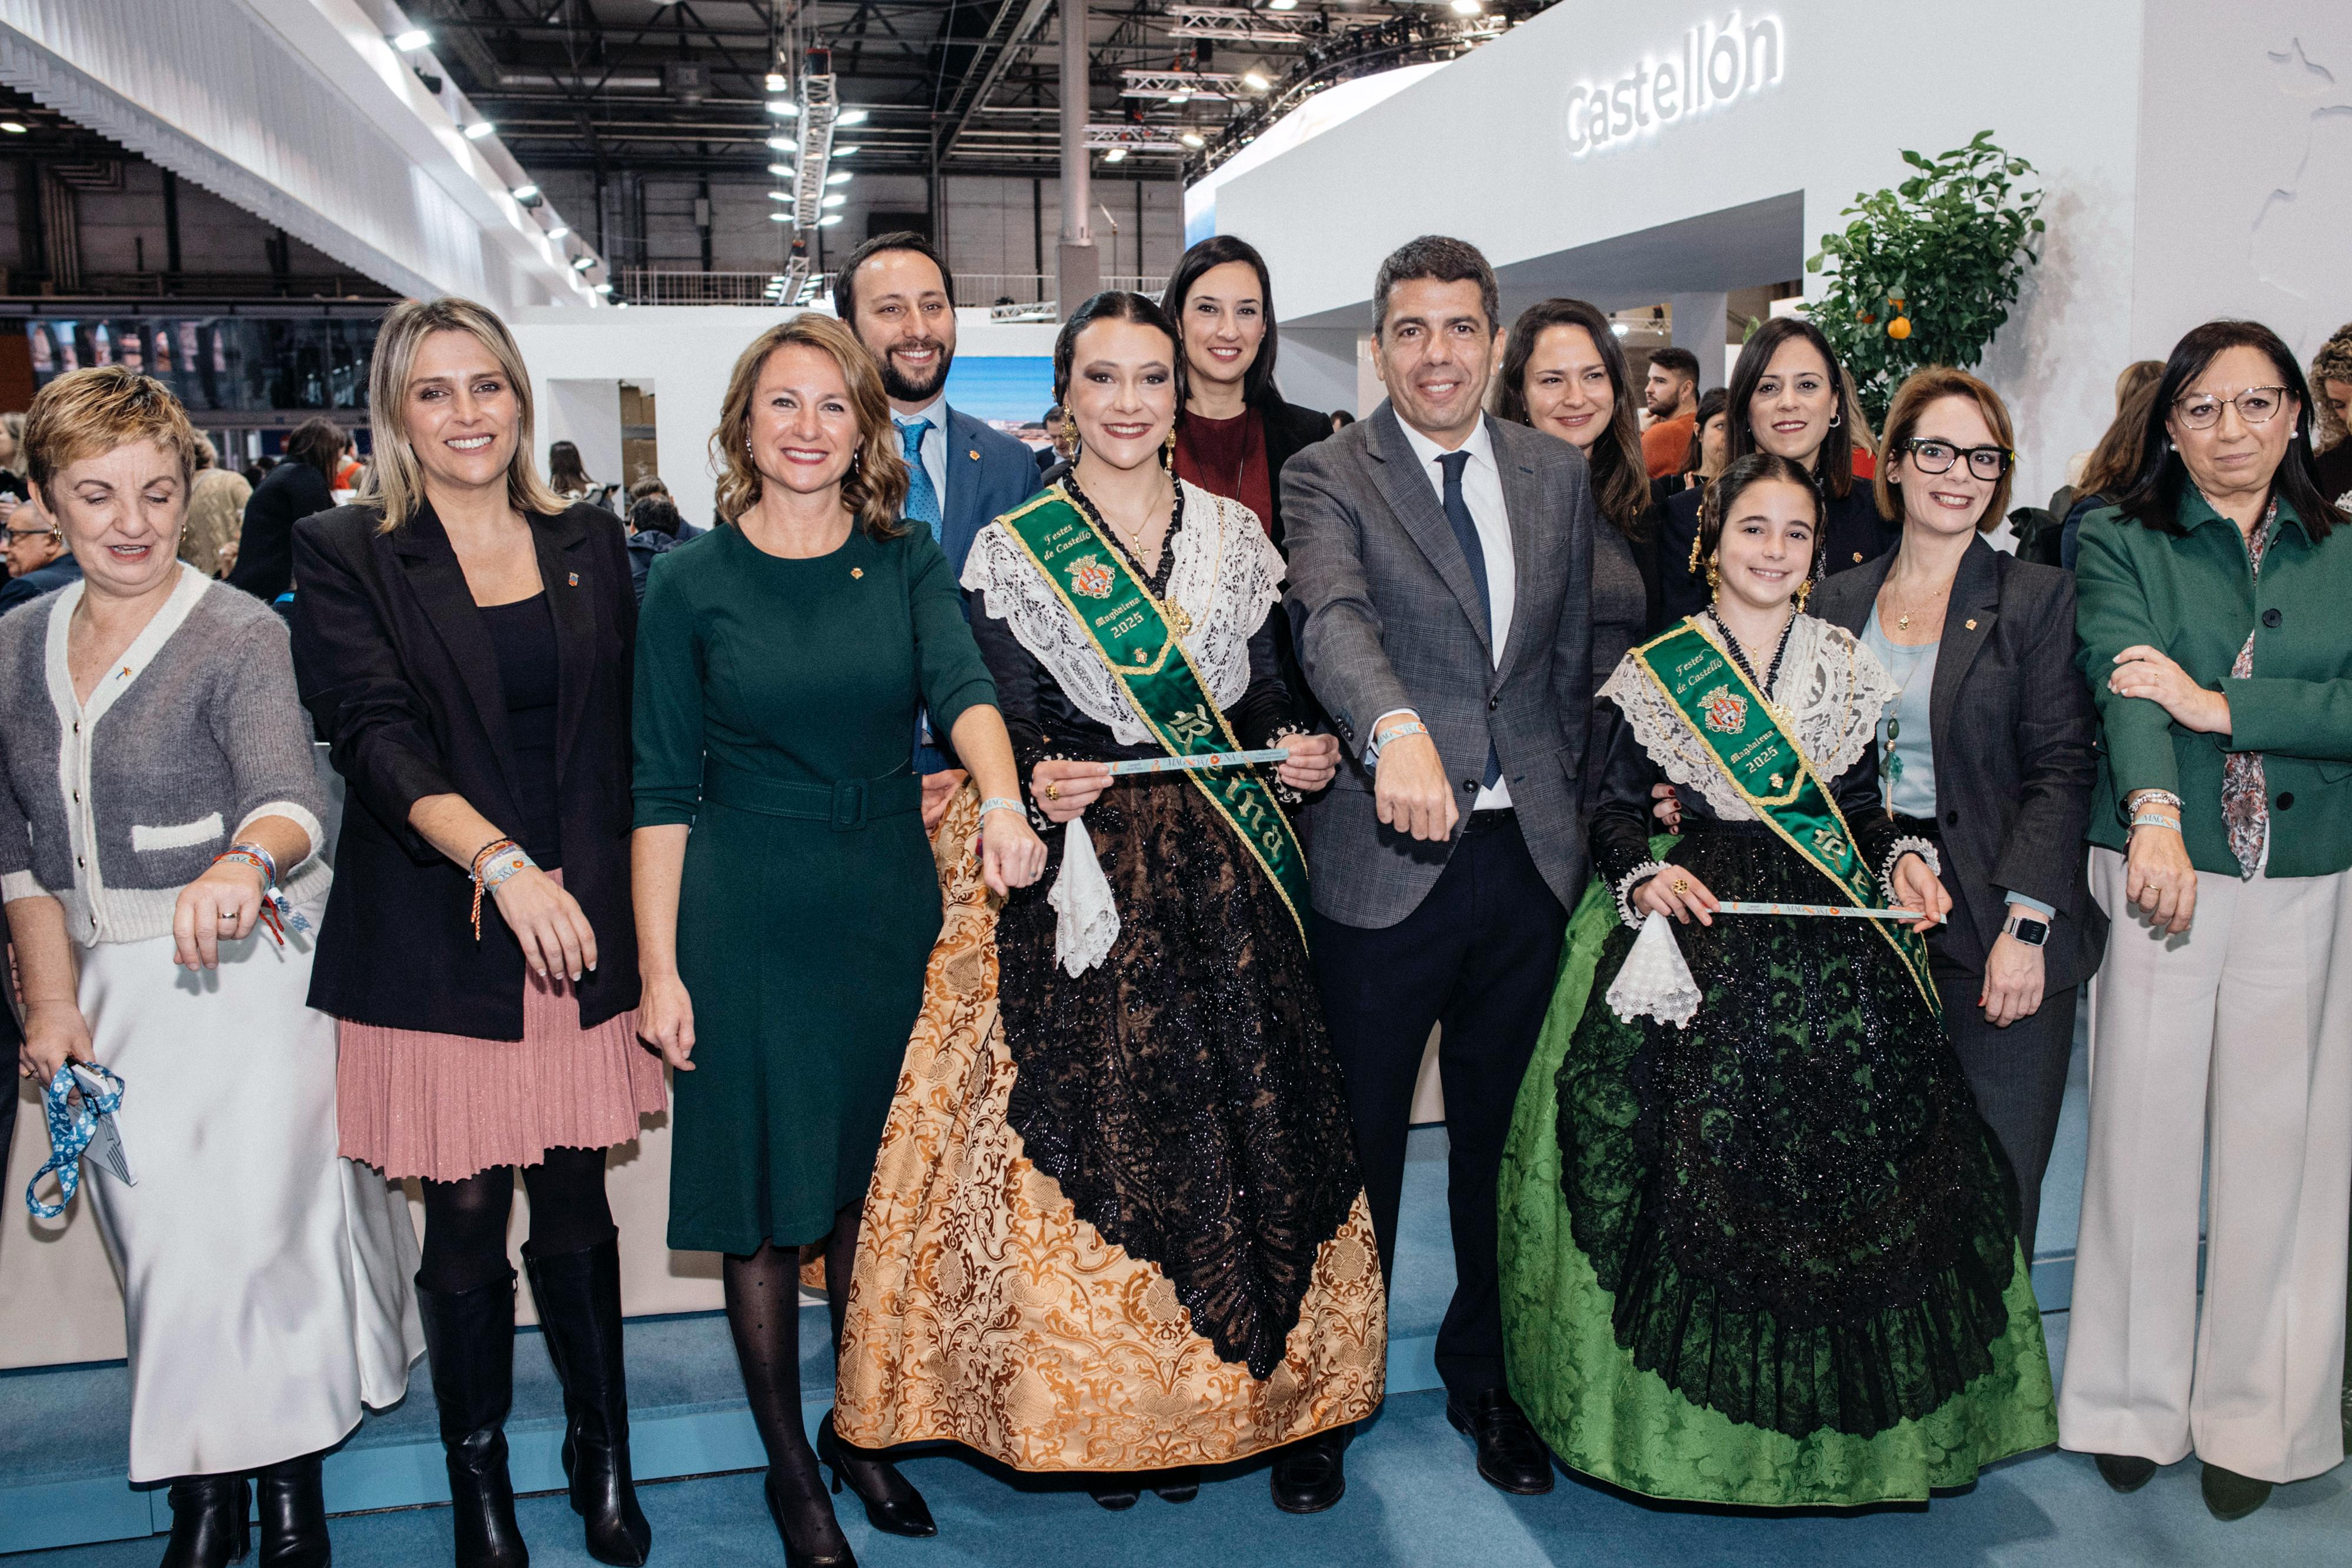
(1655, 981)
(1086, 919)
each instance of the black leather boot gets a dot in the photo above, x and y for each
(469, 1341)
(293, 1510)
(579, 1296)
(208, 1525)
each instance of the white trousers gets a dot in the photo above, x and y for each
(2235, 1038)
(265, 1281)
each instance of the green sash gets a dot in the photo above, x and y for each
(1131, 631)
(1746, 739)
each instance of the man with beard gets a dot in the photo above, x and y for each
(1671, 390)
(897, 295)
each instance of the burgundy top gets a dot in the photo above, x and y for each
(1227, 457)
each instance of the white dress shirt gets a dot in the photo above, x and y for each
(1482, 492)
(934, 449)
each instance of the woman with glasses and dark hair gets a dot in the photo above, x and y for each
(1786, 397)
(1117, 1228)
(1987, 750)
(1757, 1246)
(1564, 374)
(2211, 630)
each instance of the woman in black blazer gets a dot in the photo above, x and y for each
(465, 641)
(1988, 754)
(1785, 398)
(301, 486)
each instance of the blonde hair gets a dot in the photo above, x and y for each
(2332, 363)
(395, 479)
(1922, 389)
(84, 414)
(875, 488)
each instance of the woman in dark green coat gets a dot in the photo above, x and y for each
(786, 898)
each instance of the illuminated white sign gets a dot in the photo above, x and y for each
(1717, 66)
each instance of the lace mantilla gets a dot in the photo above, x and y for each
(1224, 574)
(1832, 686)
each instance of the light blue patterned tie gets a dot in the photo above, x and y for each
(922, 498)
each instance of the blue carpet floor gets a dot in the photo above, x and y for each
(1413, 1497)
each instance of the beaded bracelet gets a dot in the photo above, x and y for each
(2155, 798)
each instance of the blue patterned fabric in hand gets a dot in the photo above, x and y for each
(72, 1125)
(922, 497)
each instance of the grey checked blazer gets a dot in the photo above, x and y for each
(1388, 616)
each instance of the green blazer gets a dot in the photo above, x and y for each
(2196, 598)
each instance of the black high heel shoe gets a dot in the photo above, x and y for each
(579, 1296)
(892, 1506)
(293, 1508)
(208, 1522)
(802, 1501)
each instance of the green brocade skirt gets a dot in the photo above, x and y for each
(1770, 1261)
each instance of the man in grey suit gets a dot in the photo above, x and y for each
(1440, 564)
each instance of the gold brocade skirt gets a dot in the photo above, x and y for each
(984, 1311)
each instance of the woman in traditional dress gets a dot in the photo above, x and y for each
(1116, 1227)
(1757, 1247)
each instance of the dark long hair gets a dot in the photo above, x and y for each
(318, 441)
(2154, 499)
(1737, 476)
(1112, 305)
(1257, 381)
(1710, 403)
(1833, 466)
(1621, 481)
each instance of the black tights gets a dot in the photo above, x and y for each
(466, 1220)
(764, 1311)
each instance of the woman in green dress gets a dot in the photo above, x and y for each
(786, 898)
(1757, 1247)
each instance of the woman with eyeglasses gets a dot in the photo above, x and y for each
(2211, 628)
(1988, 751)
(1786, 398)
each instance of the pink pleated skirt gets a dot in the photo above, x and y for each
(444, 1106)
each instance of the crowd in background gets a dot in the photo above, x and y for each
(889, 833)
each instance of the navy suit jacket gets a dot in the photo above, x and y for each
(989, 474)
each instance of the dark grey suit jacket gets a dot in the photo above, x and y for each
(1388, 617)
(2015, 739)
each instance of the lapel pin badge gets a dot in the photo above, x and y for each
(973, 453)
(573, 578)
(858, 571)
(1972, 625)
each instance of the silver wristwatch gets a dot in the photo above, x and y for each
(2029, 929)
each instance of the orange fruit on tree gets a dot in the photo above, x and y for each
(1899, 329)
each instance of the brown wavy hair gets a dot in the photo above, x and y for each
(1621, 480)
(875, 488)
(1921, 390)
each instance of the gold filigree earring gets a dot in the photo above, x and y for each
(1070, 433)
(1168, 448)
(1714, 580)
(1694, 560)
(1804, 591)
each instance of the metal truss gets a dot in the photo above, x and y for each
(1179, 85)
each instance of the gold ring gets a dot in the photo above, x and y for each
(1682, 884)
(1053, 789)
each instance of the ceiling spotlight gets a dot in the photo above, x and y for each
(1190, 138)
(827, 220)
(841, 176)
(411, 41)
(780, 195)
(1116, 155)
(559, 231)
(776, 82)
(851, 117)
(479, 129)
(526, 193)
(781, 143)
(1281, 4)
(14, 127)
(845, 151)
(779, 217)
(1465, 7)
(582, 263)
(1255, 80)
(604, 288)
(782, 171)
(1178, 99)
(784, 107)
(834, 200)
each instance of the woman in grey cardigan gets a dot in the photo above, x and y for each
(159, 812)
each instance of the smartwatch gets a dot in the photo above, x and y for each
(2033, 933)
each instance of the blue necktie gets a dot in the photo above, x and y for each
(922, 498)
(1466, 532)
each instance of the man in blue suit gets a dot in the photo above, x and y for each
(899, 297)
